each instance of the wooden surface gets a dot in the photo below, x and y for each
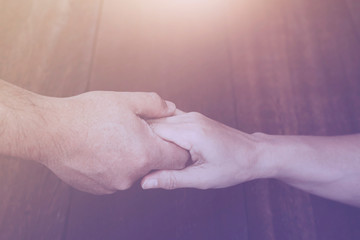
(281, 67)
(46, 47)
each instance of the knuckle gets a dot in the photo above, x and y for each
(195, 115)
(171, 182)
(156, 99)
(197, 119)
(154, 96)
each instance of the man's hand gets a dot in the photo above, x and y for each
(101, 144)
(97, 142)
(222, 156)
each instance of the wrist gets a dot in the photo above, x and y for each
(23, 124)
(267, 161)
(286, 158)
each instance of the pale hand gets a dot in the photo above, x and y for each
(222, 156)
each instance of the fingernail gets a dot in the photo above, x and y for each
(150, 183)
(171, 106)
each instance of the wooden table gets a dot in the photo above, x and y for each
(276, 66)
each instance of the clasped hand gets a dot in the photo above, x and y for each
(105, 141)
(100, 141)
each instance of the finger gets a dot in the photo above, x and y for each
(178, 117)
(150, 105)
(175, 118)
(171, 157)
(180, 134)
(190, 177)
(178, 112)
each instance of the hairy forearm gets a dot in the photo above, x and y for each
(22, 123)
(325, 166)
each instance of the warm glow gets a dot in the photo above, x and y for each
(165, 22)
(171, 10)
(186, 5)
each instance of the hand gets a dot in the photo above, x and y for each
(100, 143)
(222, 156)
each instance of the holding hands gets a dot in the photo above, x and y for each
(101, 142)
(221, 156)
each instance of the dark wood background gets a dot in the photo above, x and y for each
(277, 66)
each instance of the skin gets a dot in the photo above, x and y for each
(97, 142)
(223, 156)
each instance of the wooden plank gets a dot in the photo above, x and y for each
(46, 47)
(336, 57)
(249, 33)
(179, 51)
(353, 7)
(266, 102)
(296, 69)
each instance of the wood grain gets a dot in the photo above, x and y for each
(46, 47)
(295, 67)
(353, 7)
(277, 66)
(336, 58)
(265, 103)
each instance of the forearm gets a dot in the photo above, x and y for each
(22, 123)
(325, 166)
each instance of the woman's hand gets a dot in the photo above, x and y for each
(221, 156)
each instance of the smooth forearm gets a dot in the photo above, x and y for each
(325, 166)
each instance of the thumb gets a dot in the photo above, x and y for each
(190, 177)
(150, 105)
